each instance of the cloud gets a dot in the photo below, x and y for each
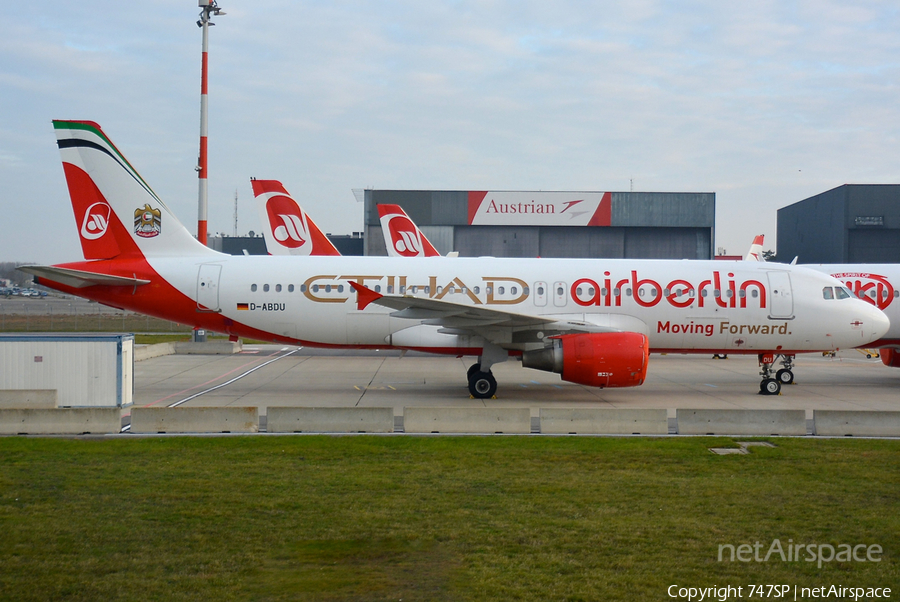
(764, 103)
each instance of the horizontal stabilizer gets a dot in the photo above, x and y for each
(79, 278)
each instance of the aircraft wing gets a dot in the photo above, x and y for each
(474, 319)
(79, 278)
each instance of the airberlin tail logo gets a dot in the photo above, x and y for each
(96, 221)
(404, 237)
(287, 222)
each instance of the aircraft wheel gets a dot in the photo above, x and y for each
(785, 376)
(482, 385)
(472, 370)
(770, 386)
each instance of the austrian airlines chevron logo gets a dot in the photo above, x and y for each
(95, 221)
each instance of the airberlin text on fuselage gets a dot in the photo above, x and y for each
(605, 292)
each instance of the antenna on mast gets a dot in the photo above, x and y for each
(235, 212)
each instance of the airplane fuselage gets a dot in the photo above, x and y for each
(742, 307)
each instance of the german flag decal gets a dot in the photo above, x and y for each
(243, 306)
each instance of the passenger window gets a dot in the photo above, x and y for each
(377, 288)
(277, 288)
(560, 291)
(315, 288)
(540, 290)
(513, 290)
(302, 288)
(265, 288)
(340, 288)
(327, 288)
(500, 290)
(290, 288)
(252, 288)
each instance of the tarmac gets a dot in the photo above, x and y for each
(272, 375)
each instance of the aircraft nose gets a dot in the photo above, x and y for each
(876, 323)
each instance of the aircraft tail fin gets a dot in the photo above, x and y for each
(116, 211)
(756, 251)
(287, 228)
(401, 236)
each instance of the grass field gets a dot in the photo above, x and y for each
(432, 518)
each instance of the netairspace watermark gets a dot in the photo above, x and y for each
(782, 592)
(811, 552)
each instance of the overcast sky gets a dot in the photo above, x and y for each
(763, 103)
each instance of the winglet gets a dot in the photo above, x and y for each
(364, 295)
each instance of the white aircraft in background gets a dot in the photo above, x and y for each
(594, 321)
(286, 227)
(875, 283)
(289, 230)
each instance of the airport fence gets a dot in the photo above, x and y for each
(54, 316)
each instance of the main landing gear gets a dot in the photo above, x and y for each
(482, 384)
(772, 385)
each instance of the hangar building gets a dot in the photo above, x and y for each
(853, 223)
(650, 225)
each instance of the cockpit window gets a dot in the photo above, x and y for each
(842, 292)
(828, 292)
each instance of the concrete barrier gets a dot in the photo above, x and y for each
(604, 421)
(17, 399)
(208, 348)
(466, 420)
(64, 421)
(329, 420)
(146, 352)
(741, 422)
(195, 420)
(837, 423)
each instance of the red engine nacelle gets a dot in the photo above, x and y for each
(609, 359)
(890, 357)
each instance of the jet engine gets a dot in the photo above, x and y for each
(608, 359)
(890, 357)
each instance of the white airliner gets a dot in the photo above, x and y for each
(287, 228)
(875, 283)
(594, 321)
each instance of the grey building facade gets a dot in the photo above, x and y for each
(853, 223)
(648, 225)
